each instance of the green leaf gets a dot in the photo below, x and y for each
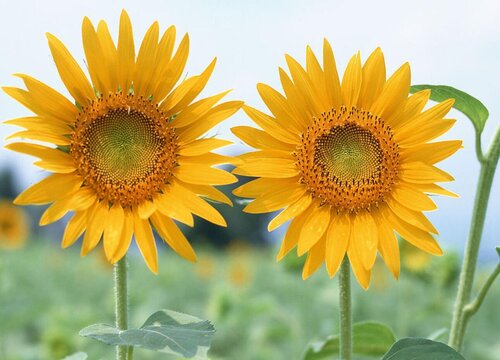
(498, 250)
(165, 331)
(465, 103)
(421, 349)
(369, 338)
(76, 356)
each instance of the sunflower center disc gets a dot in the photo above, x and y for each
(124, 145)
(350, 154)
(124, 149)
(348, 159)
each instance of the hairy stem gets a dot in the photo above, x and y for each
(486, 175)
(121, 305)
(345, 311)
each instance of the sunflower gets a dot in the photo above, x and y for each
(349, 161)
(14, 226)
(126, 154)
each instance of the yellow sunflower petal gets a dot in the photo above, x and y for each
(332, 82)
(337, 242)
(165, 50)
(418, 172)
(275, 200)
(209, 192)
(269, 125)
(412, 198)
(54, 212)
(113, 230)
(110, 54)
(171, 234)
(187, 91)
(203, 175)
(52, 188)
(146, 209)
(262, 186)
(197, 110)
(174, 70)
(273, 168)
(145, 64)
(51, 159)
(279, 106)
(125, 237)
(297, 106)
(351, 82)
(196, 205)
(373, 79)
(70, 72)
(420, 238)
(93, 52)
(304, 86)
(56, 104)
(394, 94)
(414, 218)
(34, 123)
(82, 199)
(213, 117)
(313, 229)
(413, 106)
(202, 146)
(126, 53)
(436, 189)
(315, 258)
(431, 153)
(426, 126)
(97, 217)
(166, 205)
(360, 272)
(74, 229)
(290, 212)
(364, 238)
(293, 234)
(389, 247)
(209, 159)
(259, 139)
(37, 105)
(146, 243)
(41, 136)
(317, 77)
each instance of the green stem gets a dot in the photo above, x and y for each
(121, 304)
(345, 311)
(474, 306)
(479, 148)
(488, 167)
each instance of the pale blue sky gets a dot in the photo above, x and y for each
(446, 42)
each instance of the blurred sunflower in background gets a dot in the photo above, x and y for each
(349, 161)
(126, 152)
(14, 226)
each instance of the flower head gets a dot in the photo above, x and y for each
(14, 226)
(127, 154)
(349, 161)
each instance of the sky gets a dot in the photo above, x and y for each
(455, 43)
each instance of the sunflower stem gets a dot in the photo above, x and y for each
(486, 175)
(121, 305)
(345, 310)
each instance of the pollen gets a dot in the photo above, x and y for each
(348, 159)
(124, 148)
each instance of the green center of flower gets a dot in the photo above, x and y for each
(349, 154)
(348, 159)
(124, 148)
(124, 145)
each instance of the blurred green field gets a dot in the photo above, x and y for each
(261, 309)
